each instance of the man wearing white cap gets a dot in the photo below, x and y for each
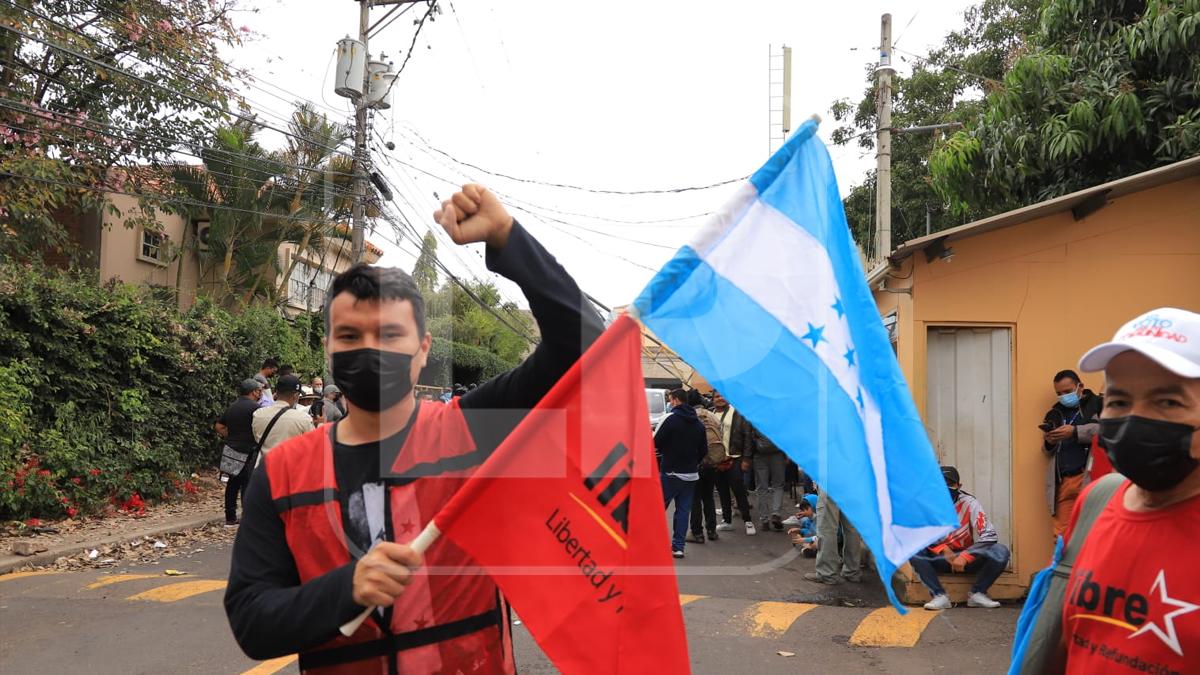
(1133, 599)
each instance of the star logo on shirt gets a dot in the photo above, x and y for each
(421, 622)
(407, 527)
(1167, 632)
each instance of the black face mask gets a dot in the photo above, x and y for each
(371, 379)
(1154, 454)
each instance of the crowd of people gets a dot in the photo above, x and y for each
(708, 452)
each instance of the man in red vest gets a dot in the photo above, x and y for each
(328, 514)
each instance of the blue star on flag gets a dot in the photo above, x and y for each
(815, 334)
(861, 403)
(837, 305)
(849, 355)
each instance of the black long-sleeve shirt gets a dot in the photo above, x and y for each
(271, 613)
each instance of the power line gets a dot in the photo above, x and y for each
(580, 187)
(947, 66)
(403, 9)
(142, 80)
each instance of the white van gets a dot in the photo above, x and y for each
(656, 404)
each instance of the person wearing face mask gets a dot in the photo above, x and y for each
(329, 514)
(973, 546)
(1133, 596)
(1068, 429)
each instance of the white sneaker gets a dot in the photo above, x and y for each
(791, 521)
(750, 528)
(725, 527)
(719, 511)
(981, 600)
(677, 554)
(939, 602)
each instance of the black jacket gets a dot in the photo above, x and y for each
(681, 441)
(1086, 422)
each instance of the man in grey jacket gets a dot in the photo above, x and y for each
(1068, 429)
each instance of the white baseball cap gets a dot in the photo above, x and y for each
(1168, 336)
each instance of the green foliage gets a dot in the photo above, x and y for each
(1109, 89)
(947, 86)
(425, 270)
(110, 392)
(57, 124)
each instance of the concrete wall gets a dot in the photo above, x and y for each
(1062, 286)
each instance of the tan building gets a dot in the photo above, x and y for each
(984, 315)
(661, 367)
(167, 258)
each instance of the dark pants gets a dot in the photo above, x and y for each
(732, 480)
(678, 491)
(237, 485)
(990, 563)
(705, 502)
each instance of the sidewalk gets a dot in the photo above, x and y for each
(113, 536)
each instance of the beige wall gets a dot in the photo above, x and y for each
(121, 246)
(1063, 286)
(336, 260)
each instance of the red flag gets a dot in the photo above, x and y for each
(567, 517)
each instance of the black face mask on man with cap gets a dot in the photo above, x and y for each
(373, 379)
(1154, 454)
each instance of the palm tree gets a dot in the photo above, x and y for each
(238, 179)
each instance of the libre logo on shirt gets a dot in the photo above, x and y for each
(1117, 607)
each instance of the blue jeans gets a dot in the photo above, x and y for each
(681, 492)
(990, 563)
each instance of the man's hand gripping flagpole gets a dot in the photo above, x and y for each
(419, 545)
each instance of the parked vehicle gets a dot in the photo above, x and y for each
(656, 404)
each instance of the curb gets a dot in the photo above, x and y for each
(10, 563)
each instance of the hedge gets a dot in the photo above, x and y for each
(109, 393)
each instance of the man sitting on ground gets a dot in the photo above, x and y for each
(972, 547)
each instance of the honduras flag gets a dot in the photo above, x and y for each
(770, 304)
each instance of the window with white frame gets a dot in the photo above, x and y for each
(153, 247)
(307, 286)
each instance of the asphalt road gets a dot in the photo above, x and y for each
(743, 602)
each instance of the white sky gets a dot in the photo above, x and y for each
(617, 95)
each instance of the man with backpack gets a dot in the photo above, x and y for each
(1124, 594)
(704, 504)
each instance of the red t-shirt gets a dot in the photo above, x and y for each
(1133, 600)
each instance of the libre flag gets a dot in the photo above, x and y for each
(567, 517)
(769, 302)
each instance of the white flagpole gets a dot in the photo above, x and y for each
(423, 541)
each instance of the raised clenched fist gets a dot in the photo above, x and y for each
(474, 214)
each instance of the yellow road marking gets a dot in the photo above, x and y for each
(771, 619)
(21, 575)
(685, 599)
(116, 579)
(885, 627)
(616, 537)
(173, 592)
(274, 665)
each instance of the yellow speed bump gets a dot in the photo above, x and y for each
(117, 579)
(772, 619)
(179, 591)
(11, 576)
(685, 599)
(272, 666)
(885, 627)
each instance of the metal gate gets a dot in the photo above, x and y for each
(968, 411)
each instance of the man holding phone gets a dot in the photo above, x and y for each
(1067, 432)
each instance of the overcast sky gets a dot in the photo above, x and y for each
(616, 95)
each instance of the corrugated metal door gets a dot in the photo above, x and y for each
(969, 411)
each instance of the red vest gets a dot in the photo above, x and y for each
(450, 619)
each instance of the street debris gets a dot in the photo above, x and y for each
(26, 547)
(174, 573)
(782, 653)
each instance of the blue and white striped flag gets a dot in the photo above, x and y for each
(770, 304)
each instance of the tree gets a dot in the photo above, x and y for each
(947, 86)
(425, 269)
(1109, 90)
(72, 105)
(239, 178)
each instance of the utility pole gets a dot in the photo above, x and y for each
(883, 150)
(358, 213)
